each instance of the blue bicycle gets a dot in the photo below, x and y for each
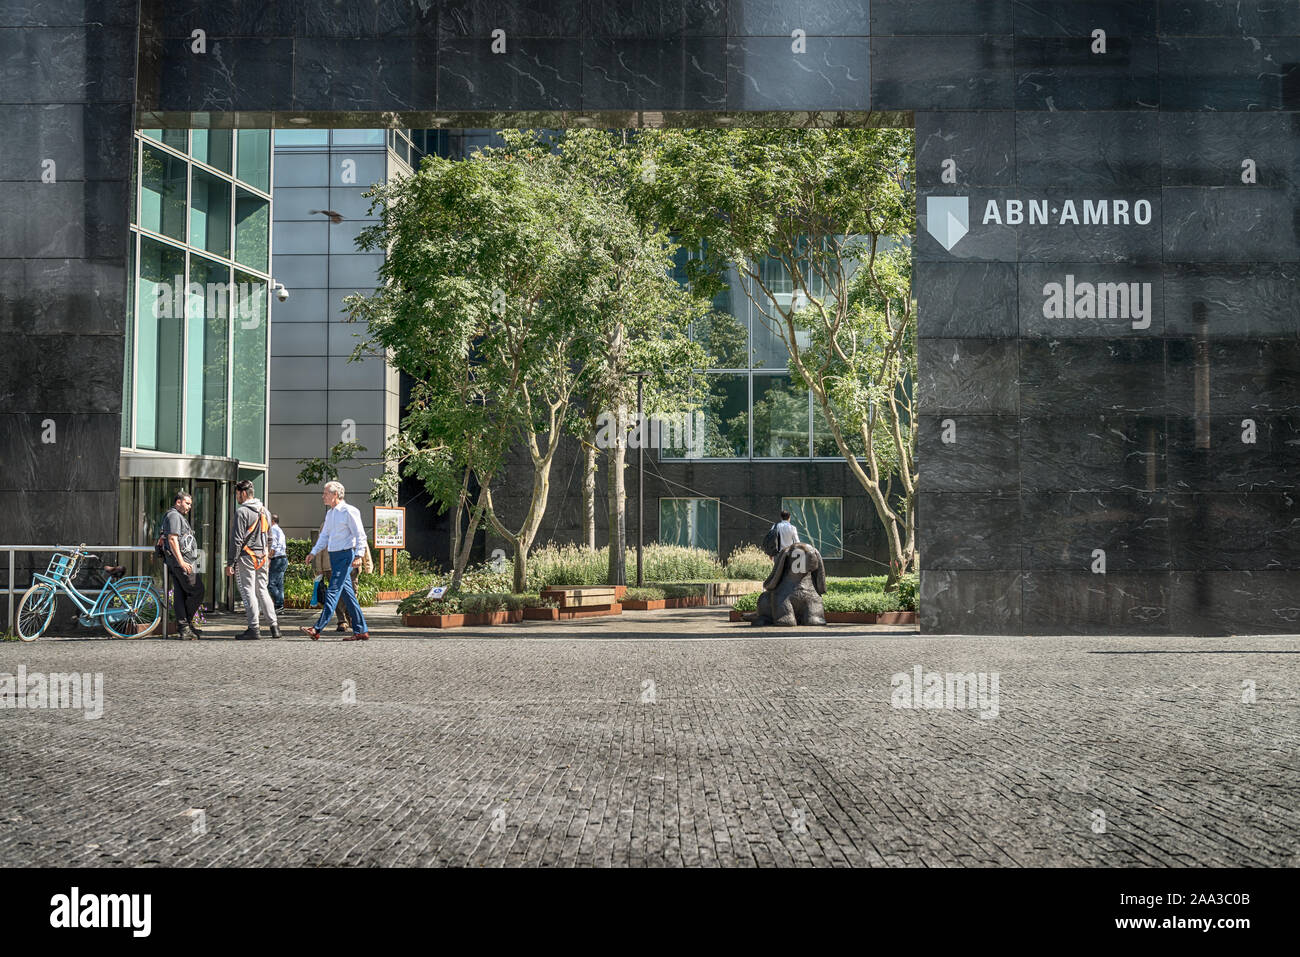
(126, 607)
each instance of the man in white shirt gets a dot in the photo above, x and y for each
(279, 564)
(344, 537)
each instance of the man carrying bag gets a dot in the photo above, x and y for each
(249, 561)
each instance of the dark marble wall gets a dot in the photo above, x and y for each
(67, 88)
(1047, 439)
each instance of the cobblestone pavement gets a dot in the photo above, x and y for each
(654, 745)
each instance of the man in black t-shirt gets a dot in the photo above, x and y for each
(182, 553)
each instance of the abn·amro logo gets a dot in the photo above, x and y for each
(947, 218)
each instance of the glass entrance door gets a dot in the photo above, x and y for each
(206, 520)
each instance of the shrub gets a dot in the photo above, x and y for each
(862, 601)
(872, 583)
(908, 587)
(676, 563)
(296, 549)
(567, 566)
(484, 603)
(747, 602)
(682, 591)
(749, 563)
(536, 601)
(423, 605)
(645, 594)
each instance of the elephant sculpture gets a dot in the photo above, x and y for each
(792, 594)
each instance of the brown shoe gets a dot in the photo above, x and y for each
(359, 636)
(310, 632)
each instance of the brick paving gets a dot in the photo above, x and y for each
(547, 744)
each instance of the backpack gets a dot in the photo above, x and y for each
(160, 547)
(772, 542)
(263, 525)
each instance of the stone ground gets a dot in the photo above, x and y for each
(658, 738)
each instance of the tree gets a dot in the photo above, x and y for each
(639, 316)
(815, 204)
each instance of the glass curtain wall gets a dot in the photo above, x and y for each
(195, 376)
(753, 407)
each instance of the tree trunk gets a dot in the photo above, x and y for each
(467, 543)
(589, 491)
(616, 496)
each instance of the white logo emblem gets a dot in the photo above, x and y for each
(947, 218)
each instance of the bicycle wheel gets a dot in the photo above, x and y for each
(134, 613)
(35, 611)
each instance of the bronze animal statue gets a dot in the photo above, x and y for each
(792, 594)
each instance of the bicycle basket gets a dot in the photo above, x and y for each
(61, 567)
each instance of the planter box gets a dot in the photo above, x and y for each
(433, 621)
(393, 595)
(567, 614)
(688, 601)
(619, 592)
(542, 614)
(871, 618)
(653, 604)
(855, 617)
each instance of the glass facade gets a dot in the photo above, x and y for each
(753, 408)
(820, 522)
(195, 376)
(692, 522)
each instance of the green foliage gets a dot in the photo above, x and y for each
(855, 595)
(422, 605)
(909, 587)
(749, 563)
(297, 550)
(644, 594)
(682, 591)
(317, 471)
(873, 602)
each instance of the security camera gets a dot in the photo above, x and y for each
(280, 292)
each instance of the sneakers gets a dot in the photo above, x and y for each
(185, 631)
(249, 634)
(359, 636)
(310, 632)
(275, 631)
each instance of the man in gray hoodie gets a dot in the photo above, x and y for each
(249, 559)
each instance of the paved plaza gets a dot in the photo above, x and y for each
(658, 739)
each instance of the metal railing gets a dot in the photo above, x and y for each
(13, 591)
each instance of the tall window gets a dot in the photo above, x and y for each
(819, 522)
(691, 522)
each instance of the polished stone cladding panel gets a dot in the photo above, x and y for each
(1109, 354)
(67, 90)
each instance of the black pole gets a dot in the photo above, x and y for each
(640, 481)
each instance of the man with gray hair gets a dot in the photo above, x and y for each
(250, 558)
(344, 537)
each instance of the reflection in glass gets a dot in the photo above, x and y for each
(780, 418)
(255, 159)
(724, 336)
(358, 137)
(128, 374)
(248, 412)
(824, 441)
(208, 319)
(690, 522)
(162, 200)
(726, 417)
(820, 522)
(210, 213)
(173, 138)
(302, 138)
(158, 353)
(212, 147)
(252, 222)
